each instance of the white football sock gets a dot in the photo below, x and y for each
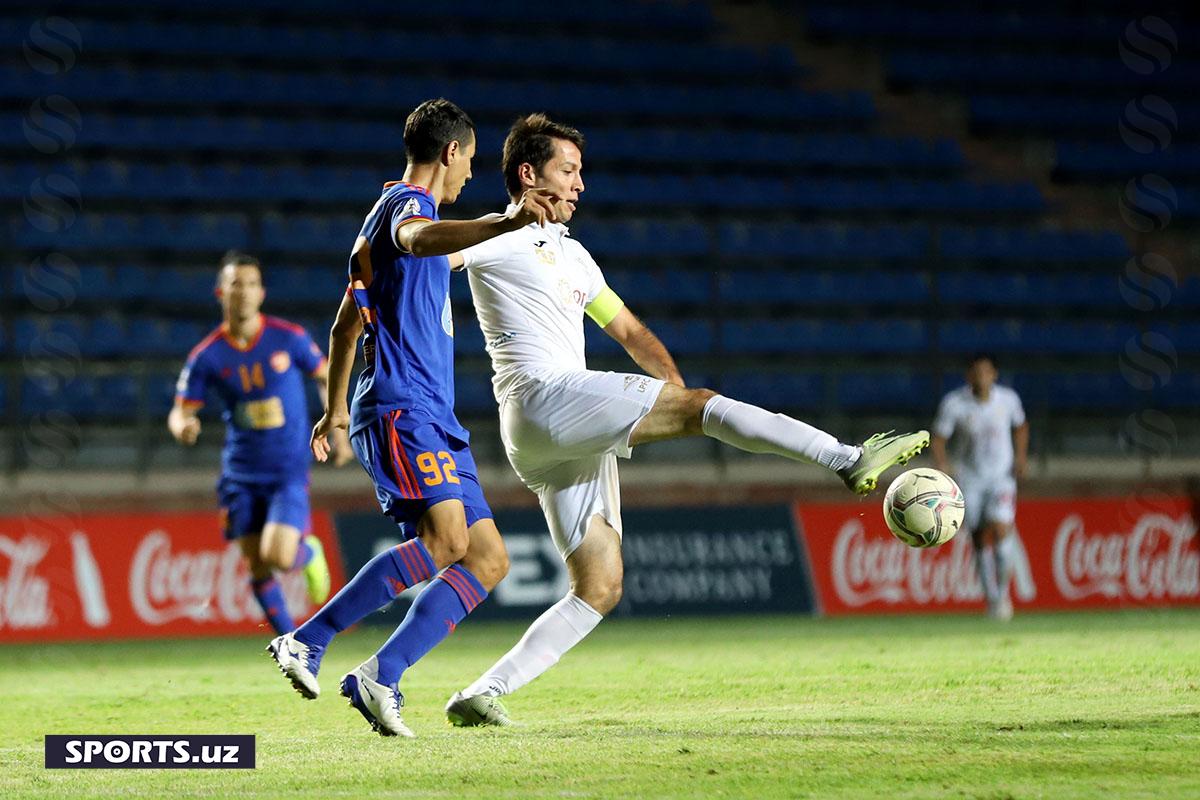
(560, 628)
(1004, 560)
(754, 430)
(985, 566)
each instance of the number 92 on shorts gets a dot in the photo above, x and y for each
(415, 464)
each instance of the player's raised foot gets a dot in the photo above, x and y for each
(380, 705)
(879, 453)
(316, 572)
(471, 712)
(298, 662)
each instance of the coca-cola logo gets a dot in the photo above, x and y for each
(1155, 560)
(203, 586)
(882, 569)
(24, 596)
(868, 569)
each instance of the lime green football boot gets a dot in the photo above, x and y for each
(879, 453)
(470, 712)
(316, 572)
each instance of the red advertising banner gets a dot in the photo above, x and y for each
(1095, 553)
(134, 576)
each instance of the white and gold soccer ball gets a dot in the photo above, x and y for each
(924, 508)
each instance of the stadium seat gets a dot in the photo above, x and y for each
(775, 390)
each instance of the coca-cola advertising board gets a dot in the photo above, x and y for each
(1094, 553)
(134, 576)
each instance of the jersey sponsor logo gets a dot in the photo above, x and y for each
(280, 361)
(496, 341)
(260, 415)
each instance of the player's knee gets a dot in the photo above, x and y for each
(271, 555)
(491, 569)
(448, 544)
(601, 592)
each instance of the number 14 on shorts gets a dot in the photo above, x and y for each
(437, 468)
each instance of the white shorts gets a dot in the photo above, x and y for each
(563, 431)
(989, 500)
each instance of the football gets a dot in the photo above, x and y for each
(924, 508)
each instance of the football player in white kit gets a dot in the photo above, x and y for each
(564, 425)
(988, 456)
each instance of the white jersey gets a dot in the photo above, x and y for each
(530, 289)
(983, 447)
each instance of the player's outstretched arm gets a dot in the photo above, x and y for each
(423, 237)
(343, 339)
(183, 423)
(643, 346)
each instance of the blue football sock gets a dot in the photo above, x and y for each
(376, 584)
(269, 594)
(431, 618)
(304, 554)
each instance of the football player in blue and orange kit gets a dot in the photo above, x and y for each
(256, 365)
(402, 424)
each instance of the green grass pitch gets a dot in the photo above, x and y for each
(1054, 705)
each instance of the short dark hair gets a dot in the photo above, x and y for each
(531, 141)
(977, 357)
(433, 125)
(238, 259)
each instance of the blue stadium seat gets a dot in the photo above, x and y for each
(1032, 289)
(468, 338)
(160, 393)
(1017, 336)
(774, 390)
(899, 389)
(1031, 245)
(799, 288)
(811, 336)
(824, 241)
(473, 394)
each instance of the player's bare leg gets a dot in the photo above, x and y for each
(284, 548)
(596, 571)
(682, 412)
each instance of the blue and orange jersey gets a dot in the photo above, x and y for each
(404, 303)
(261, 388)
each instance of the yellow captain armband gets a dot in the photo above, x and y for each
(604, 308)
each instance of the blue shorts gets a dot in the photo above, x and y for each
(415, 464)
(246, 508)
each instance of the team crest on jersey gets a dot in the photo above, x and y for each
(280, 361)
(545, 254)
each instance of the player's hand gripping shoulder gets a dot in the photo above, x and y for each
(332, 423)
(535, 205)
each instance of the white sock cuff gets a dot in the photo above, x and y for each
(717, 406)
(578, 614)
